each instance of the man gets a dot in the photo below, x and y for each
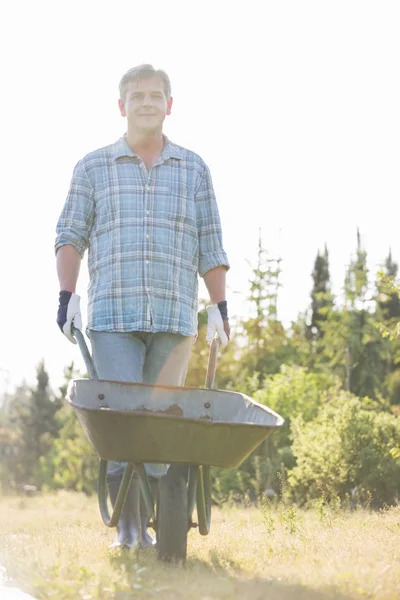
(146, 211)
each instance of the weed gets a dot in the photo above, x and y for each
(266, 513)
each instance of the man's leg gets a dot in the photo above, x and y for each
(120, 357)
(167, 358)
(166, 363)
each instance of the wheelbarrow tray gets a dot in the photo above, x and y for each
(141, 423)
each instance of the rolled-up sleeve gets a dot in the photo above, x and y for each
(211, 251)
(76, 219)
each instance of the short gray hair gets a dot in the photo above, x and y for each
(144, 71)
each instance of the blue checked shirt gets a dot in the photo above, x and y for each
(148, 234)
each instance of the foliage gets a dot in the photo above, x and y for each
(352, 346)
(292, 392)
(348, 450)
(35, 420)
(356, 280)
(321, 296)
(70, 463)
(388, 291)
(335, 344)
(264, 340)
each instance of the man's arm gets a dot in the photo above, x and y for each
(213, 262)
(215, 280)
(212, 256)
(68, 266)
(69, 312)
(73, 231)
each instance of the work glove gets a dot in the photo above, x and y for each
(69, 313)
(217, 324)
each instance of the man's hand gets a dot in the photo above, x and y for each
(69, 313)
(216, 324)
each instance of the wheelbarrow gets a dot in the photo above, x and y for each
(190, 429)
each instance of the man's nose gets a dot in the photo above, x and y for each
(147, 101)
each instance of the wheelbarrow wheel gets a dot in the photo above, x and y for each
(172, 516)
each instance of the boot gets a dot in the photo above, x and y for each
(147, 540)
(129, 527)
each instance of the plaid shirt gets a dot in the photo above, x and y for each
(149, 235)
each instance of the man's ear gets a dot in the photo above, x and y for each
(169, 105)
(121, 108)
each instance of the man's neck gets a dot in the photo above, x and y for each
(145, 145)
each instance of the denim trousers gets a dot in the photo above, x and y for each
(141, 357)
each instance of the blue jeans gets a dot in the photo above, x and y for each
(143, 357)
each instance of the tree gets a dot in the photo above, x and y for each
(388, 296)
(70, 462)
(388, 311)
(321, 296)
(36, 420)
(265, 345)
(351, 345)
(356, 280)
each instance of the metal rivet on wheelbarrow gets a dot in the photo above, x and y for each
(207, 405)
(101, 396)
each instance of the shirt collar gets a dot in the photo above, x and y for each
(170, 150)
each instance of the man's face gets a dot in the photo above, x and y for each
(145, 105)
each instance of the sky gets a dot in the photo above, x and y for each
(293, 105)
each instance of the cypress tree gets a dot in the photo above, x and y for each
(388, 298)
(321, 296)
(37, 424)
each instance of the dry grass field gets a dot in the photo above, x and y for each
(55, 547)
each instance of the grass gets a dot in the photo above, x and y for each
(56, 547)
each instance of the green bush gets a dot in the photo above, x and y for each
(394, 387)
(292, 392)
(71, 463)
(348, 451)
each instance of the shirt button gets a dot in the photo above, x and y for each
(147, 235)
(147, 262)
(147, 187)
(147, 212)
(147, 289)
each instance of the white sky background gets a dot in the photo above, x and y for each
(293, 105)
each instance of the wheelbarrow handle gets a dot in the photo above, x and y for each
(212, 363)
(77, 333)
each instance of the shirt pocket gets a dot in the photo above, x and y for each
(182, 209)
(182, 217)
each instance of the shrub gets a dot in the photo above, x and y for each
(292, 392)
(348, 449)
(71, 463)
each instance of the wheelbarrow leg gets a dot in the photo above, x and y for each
(203, 498)
(124, 491)
(129, 524)
(146, 540)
